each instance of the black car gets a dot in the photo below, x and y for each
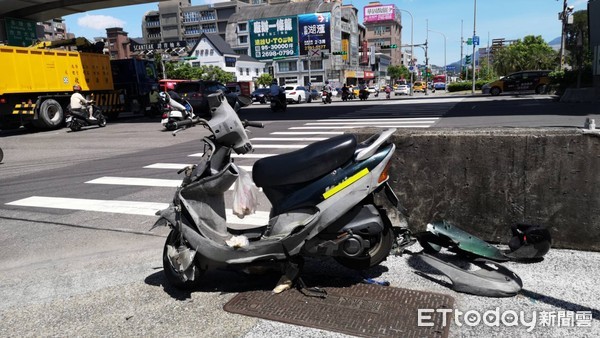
(261, 95)
(195, 92)
(313, 94)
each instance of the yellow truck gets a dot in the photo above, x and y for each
(36, 85)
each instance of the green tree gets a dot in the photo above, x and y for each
(398, 72)
(532, 53)
(264, 80)
(185, 71)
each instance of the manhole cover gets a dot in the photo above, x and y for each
(361, 310)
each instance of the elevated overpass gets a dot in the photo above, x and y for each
(42, 10)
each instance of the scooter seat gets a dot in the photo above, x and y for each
(305, 164)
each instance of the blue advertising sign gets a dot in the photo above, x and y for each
(274, 37)
(476, 40)
(315, 31)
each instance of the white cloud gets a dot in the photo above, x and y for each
(100, 22)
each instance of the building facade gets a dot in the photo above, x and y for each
(117, 43)
(180, 21)
(212, 50)
(305, 43)
(54, 29)
(383, 25)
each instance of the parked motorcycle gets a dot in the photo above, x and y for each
(326, 97)
(78, 119)
(278, 103)
(174, 110)
(322, 200)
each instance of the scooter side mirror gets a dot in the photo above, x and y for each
(244, 100)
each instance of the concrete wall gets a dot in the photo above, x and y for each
(484, 180)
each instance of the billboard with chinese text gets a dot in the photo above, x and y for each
(379, 13)
(274, 37)
(315, 31)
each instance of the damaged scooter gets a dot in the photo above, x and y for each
(322, 199)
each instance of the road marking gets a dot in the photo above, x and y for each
(173, 166)
(124, 207)
(288, 139)
(251, 155)
(362, 123)
(177, 166)
(279, 146)
(400, 119)
(135, 181)
(307, 133)
(430, 101)
(362, 126)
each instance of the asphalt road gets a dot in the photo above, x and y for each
(71, 268)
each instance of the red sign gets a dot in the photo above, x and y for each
(369, 75)
(365, 53)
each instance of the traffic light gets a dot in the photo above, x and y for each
(340, 53)
(388, 46)
(468, 59)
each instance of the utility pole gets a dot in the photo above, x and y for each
(473, 62)
(426, 58)
(462, 42)
(564, 17)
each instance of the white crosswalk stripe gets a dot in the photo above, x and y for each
(124, 207)
(294, 138)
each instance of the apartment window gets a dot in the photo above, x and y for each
(242, 39)
(212, 51)
(243, 27)
(257, 72)
(287, 66)
(248, 71)
(230, 62)
(314, 64)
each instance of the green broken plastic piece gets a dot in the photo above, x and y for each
(444, 234)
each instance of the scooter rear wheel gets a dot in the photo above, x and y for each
(75, 126)
(381, 246)
(174, 277)
(101, 121)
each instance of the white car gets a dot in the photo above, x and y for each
(295, 93)
(372, 90)
(401, 90)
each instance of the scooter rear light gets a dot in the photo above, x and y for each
(384, 174)
(2, 100)
(165, 115)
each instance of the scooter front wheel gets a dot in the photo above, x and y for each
(174, 276)
(381, 245)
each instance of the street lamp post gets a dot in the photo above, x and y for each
(445, 65)
(412, 54)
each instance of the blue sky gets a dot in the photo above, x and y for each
(510, 19)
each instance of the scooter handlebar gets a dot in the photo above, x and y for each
(247, 123)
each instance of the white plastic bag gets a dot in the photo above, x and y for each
(245, 195)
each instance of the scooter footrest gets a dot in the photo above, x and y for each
(252, 233)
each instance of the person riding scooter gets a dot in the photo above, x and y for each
(80, 103)
(345, 92)
(278, 99)
(327, 92)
